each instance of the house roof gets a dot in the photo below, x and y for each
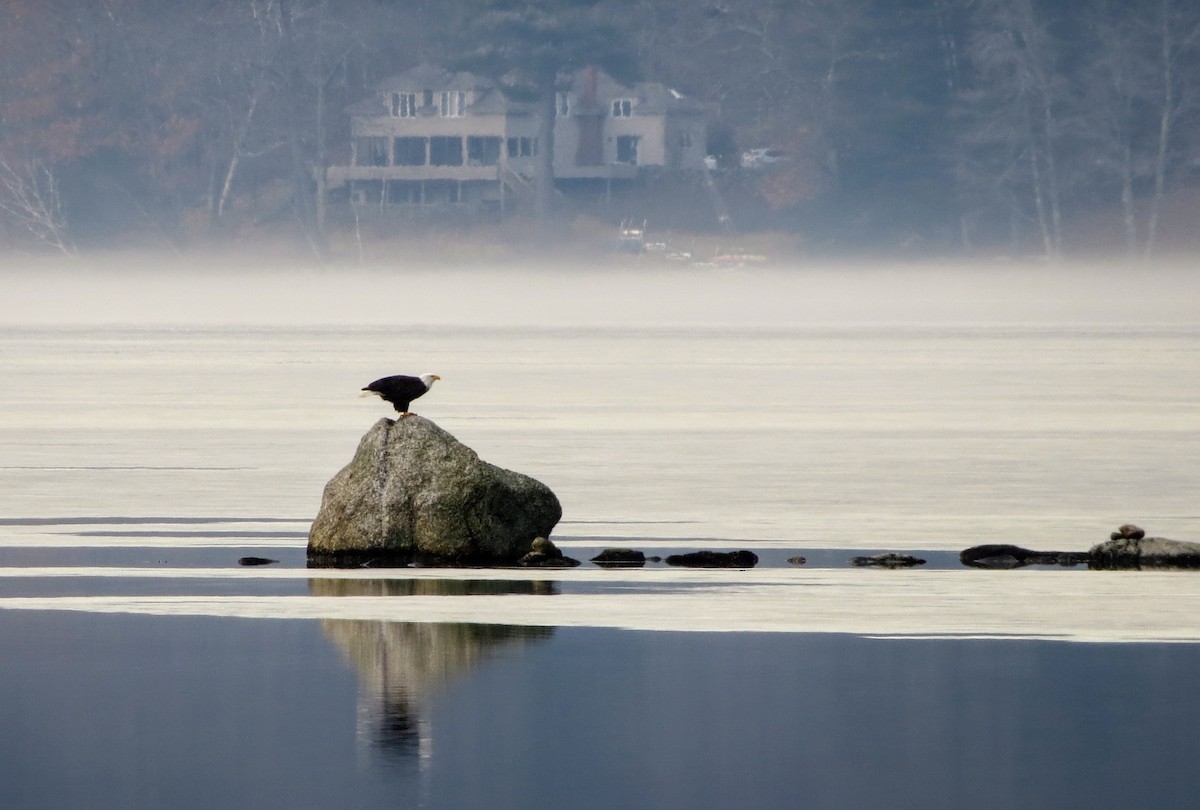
(487, 96)
(652, 98)
(660, 98)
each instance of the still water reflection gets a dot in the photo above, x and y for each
(400, 663)
(201, 712)
(479, 715)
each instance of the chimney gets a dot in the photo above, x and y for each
(589, 86)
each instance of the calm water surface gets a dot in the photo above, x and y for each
(135, 711)
(152, 433)
(904, 437)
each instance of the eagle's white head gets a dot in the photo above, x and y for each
(429, 379)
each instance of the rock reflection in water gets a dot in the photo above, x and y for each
(399, 663)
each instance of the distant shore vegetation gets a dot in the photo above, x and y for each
(839, 127)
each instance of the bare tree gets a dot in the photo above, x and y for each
(1017, 106)
(30, 200)
(245, 90)
(777, 70)
(1113, 109)
(1135, 95)
(1177, 25)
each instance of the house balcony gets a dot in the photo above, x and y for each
(338, 176)
(610, 171)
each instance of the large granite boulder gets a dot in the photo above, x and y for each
(413, 492)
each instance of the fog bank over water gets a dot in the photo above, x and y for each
(176, 291)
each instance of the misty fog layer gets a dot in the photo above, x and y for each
(137, 291)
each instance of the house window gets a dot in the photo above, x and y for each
(627, 149)
(562, 105)
(483, 151)
(409, 151)
(445, 151)
(443, 192)
(453, 103)
(622, 108)
(404, 192)
(522, 147)
(372, 152)
(404, 105)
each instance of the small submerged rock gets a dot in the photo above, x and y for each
(543, 545)
(999, 556)
(891, 560)
(256, 561)
(1128, 532)
(535, 559)
(544, 554)
(715, 559)
(620, 558)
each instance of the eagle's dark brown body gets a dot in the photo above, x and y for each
(401, 389)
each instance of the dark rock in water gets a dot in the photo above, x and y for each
(715, 559)
(994, 561)
(1128, 532)
(1065, 558)
(995, 555)
(414, 492)
(888, 561)
(620, 558)
(539, 559)
(541, 545)
(797, 560)
(545, 554)
(1144, 552)
(1002, 555)
(255, 561)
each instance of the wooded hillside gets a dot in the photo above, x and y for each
(944, 125)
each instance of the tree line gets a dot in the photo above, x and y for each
(945, 125)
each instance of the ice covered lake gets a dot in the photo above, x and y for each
(158, 424)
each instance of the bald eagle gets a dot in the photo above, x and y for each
(400, 389)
